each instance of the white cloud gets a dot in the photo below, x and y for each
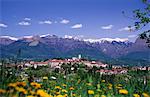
(24, 23)
(132, 36)
(3, 25)
(45, 22)
(64, 21)
(108, 27)
(77, 26)
(126, 29)
(27, 19)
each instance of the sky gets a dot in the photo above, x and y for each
(92, 19)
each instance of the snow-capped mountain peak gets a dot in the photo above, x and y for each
(26, 37)
(45, 35)
(79, 37)
(9, 37)
(101, 40)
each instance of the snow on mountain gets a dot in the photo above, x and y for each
(81, 38)
(101, 40)
(26, 37)
(9, 37)
(78, 37)
(68, 36)
(45, 35)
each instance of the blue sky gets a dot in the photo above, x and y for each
(86, 18)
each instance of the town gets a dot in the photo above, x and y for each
(57, 63)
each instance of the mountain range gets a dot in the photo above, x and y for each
(51, 46)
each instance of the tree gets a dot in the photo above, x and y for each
(142, 19)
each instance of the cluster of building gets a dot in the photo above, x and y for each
(103, 68)
(56, 63)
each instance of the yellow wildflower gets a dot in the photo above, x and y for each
(30, 96)
(57, 87)
(57, 93)
(42, 93)
(65, 91)
(136, 95)
(109, 86)
(21, 90)
(45, 78)
(59, 96)
(32, 92)
(2, 91)
(103, 81)
(65, 95)
(145, 95)
(21, 84)
(123, 91)
(120, 85)
(71, 88)
(64, 85)
(89, 84)
(12, 85)
(90, 92)
(36, 85)
(78, 81)
(103, 96)
(73, 94)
